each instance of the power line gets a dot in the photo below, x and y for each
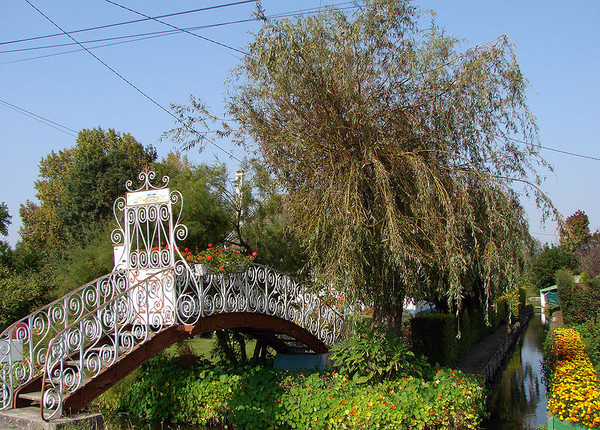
(126, 80)
(150, 35)
(158, 33)
(129, 36)
(117, 24)
(43, 120)
(560, 151)
(177, 28)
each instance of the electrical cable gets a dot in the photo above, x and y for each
(126, 80)
(117, 24)
(177, 28)
(560, 151)
(41, 119)
(145, 36)
(298, 12)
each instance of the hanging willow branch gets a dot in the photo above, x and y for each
(397, 150)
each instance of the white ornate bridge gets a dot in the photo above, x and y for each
(67, 353)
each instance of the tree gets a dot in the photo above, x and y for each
(78, 186)
(548, 262)
(395, 148)
(20, 293)
(207, 211)
(575, 231)
(587, 255)
(4, 219)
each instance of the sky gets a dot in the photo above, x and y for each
(48, 94)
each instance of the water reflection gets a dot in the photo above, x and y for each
(519, 401)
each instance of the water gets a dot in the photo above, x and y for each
(519, 401)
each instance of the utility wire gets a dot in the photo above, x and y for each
(560, 151)
(298, 12)
(130, 36)
(177, 28)
(101, 27)
(43, 120)
(126, 80)
(145, 36)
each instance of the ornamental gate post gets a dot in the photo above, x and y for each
(145, 245)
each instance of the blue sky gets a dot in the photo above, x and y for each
(557, 45)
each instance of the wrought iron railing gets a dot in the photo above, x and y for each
(99, 339)
(23, 345)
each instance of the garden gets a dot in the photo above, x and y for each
(379, 383)
(573, 353)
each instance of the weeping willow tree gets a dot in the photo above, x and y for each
(398, 149)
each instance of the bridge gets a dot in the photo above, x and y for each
(67, 353)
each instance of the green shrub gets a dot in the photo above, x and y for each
(20, 294)
(449, 399)
(434, 335)
(373, 354)
(264, 398)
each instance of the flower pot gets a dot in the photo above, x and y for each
(202, 269)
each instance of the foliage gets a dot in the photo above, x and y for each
(267, 227)
(590, 334)
(548, 262)
(226, 259)
(77, 187)
(587, 255)
(578, 302)
(374, 354)
(575, 386)
(264, 398)
(575, 231)
(207, 208)
(394, 146)
(20, 293)
(84, 262)
(435, 335)
(4, 219)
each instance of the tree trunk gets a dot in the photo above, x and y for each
(388, 304)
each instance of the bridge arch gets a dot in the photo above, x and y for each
(266, 327)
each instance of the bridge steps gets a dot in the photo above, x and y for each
(34, 397)
(29, 418)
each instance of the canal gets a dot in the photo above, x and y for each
(519, 400)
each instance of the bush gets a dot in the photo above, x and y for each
(434, 335)
(449, 399)
(264, 398)
(20, 293)
(373, 354)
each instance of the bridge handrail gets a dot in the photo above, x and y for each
(72, 359)
(283, 297)
(28, 337)
(84, 334)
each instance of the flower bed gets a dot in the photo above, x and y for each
(226, 259)
(264, 398)
(575, 394)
